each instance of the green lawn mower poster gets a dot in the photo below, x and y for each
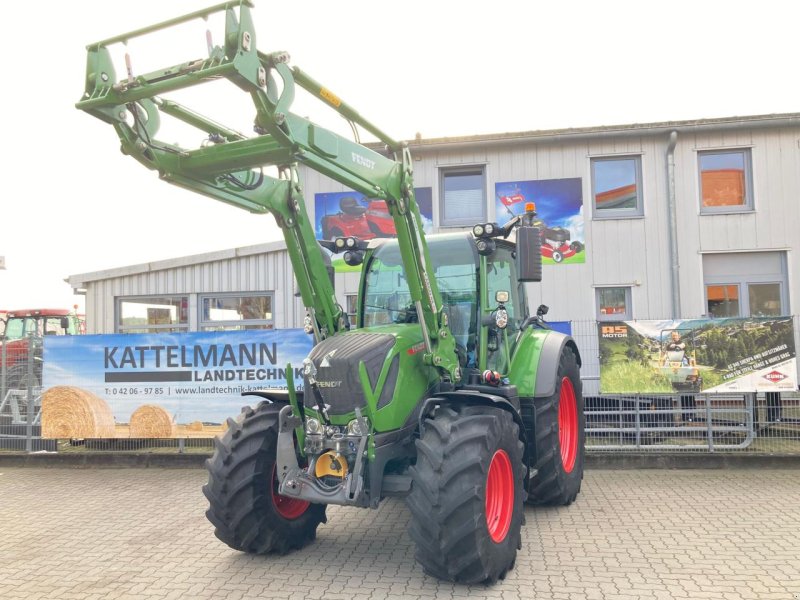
(559, 207)
(698, 356)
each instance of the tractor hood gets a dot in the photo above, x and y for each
(337, 374)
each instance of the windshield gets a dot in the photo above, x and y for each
(20, 327)
(387, 298)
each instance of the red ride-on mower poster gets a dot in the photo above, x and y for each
(559, 206)
(350, 214)
(345, 214)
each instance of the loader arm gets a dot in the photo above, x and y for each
(230, 166)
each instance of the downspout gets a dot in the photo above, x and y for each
(672, 216)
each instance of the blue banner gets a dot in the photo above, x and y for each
(197, 377)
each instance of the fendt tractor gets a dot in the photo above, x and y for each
(447, 390)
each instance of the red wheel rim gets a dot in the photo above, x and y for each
(288, 508)
(568, 425)
(499, 496)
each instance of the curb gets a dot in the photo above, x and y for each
(601, 461)
(114, 460)
(594, 461)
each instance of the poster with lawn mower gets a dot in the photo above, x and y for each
(559, 206)
(350, 214)
(698, 356)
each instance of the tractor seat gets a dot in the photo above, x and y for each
(350, 206)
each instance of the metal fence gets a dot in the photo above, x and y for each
(765, 423)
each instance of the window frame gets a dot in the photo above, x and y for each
(626, 316)
(148, 328)
(637, 212)
(742, 285)
(234, 324)
(749, 204)
(352, 316)
(473, 169)
(739, 300)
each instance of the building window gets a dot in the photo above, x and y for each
(463, 197)
(764, 299)
(352, 307)
(153, 314)
(236, 311)
(725, 181)
(723, 300)
(746, 284)
(614, 304)
(617, 187)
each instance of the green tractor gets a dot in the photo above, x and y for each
(448, 390)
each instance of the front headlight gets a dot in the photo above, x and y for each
(313, 426)
(501, 318)
(477, 231)
(358, 427)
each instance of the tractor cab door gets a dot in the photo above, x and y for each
(501, 276)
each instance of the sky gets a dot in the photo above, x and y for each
(72, 203)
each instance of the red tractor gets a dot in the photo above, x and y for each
(24, 330)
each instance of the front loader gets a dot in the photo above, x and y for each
(448, 390)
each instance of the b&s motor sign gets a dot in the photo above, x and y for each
(698, 355)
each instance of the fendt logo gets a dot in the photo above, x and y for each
(775, 376)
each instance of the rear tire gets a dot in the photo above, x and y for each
(560, 438)
(245, 509)
(467, 496)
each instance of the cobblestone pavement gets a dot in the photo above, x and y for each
(142, 533)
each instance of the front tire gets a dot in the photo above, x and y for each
(467, 496)
(247, 512)
(560, 438)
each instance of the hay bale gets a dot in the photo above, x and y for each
(71, 412)
(195, 426)
(152, 421)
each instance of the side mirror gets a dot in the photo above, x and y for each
(529, 254)
(65, 323)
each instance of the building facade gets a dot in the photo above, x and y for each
(664, 220)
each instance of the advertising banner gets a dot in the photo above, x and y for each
(559, 206)
(182, 384)
(344, 214)
(698, 355)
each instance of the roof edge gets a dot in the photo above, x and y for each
(79, 280)
(775, 119)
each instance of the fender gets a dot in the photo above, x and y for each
(534, 366)
(272, 396)
(547, 372)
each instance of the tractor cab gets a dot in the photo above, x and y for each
(469, 284)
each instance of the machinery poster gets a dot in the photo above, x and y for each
(559, 206)
(161, 385)
(344, 214)
(698, 355)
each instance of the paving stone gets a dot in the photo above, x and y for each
(88, 534)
